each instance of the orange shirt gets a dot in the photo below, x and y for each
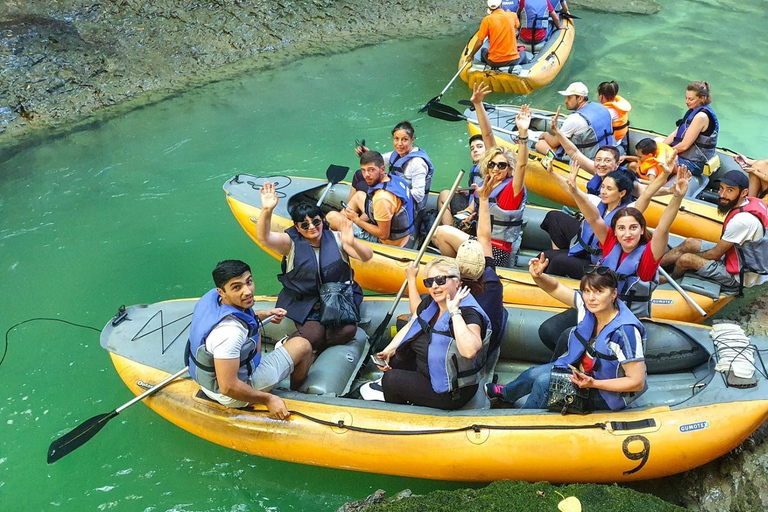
(499, 27)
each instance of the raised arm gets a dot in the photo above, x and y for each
(523, 122)
(569, 147)
(414, 298)
(277, 242)
(479, 92)
(667, 168)
(484, 212)
(549, 284)
(468, 338)
(350, 244)
(587, 209)
(661, 234)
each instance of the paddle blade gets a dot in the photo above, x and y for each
(377, 335)
(336, 173)
(78, 436)
(445, 112)
(427, 106)
(488, 107)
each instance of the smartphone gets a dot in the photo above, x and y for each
(343, 205)
(548, 158)
(740, 160)
(461, 216)
(379, 361)
(574, 369)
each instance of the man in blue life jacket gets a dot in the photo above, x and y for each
(589, 127)
(224, 350)
(384, 213)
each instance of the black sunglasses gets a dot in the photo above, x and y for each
(438, 280)
(600, 269)
(497, 165)
(305, 225)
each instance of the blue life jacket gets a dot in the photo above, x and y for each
(535, 15)
(635, 293)
(599, 133)
(586, 240)
(207, 314)
(618, 331)
(507, 225)
(397, 165)
(703, 148)
(510, 5)
(448, 369)
(474, 176)
(301, 286)
(402, 221)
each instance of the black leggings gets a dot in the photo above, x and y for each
(561, 228)
(322, 337)
(403, 384)
(554, 331)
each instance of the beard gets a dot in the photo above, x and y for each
(724, 207)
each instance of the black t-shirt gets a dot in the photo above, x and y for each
(492, 301)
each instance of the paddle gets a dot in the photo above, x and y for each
(437, 98)
(83, 433)
(448, 113)
(682, 292)
(335, 174)
(383, 325)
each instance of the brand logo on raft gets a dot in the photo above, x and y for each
(690, 427)
(143, 384)
(664, 302)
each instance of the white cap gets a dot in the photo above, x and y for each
(493, 4)
(575, 89)
(471, 260)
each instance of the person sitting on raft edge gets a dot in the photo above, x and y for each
(312, 255)
(499, 28)
(605, 348)
(383, 213)
(589, 127)
(224, 348)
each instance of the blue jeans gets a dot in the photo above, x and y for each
(696, 168)
(534, 380)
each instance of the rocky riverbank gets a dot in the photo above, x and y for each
(63, 61)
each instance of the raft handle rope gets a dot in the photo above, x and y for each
(608, 426)
(5, 348)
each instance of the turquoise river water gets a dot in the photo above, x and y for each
(132, 211)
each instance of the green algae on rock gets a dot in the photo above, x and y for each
(504, 496)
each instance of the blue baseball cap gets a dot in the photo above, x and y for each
(736, 179)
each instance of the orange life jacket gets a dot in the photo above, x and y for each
(662, 154)
(621, 125)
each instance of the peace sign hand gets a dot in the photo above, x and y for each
(537, 266)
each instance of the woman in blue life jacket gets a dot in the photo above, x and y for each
(407, 161)
(606, 347)
(695, 138)
(628, 249)
(306, 247)
(435, 359)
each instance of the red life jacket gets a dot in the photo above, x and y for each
(757, 208)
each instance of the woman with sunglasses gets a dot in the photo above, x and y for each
(605, 348)
(306, 247)
(435, 359)
(628, 249)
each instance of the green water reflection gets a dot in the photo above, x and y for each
(132, 211)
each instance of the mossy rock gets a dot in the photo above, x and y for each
(504, 496)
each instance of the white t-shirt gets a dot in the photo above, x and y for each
(224, 342)
(744, 227)
(416, 171)
(573, 124)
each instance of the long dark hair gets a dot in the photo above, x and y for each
(630, 211)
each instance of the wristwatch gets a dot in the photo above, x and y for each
(457, 312)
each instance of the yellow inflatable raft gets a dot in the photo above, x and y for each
(698, 217)
(521, 79)
(688, 417)
(384, 273)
